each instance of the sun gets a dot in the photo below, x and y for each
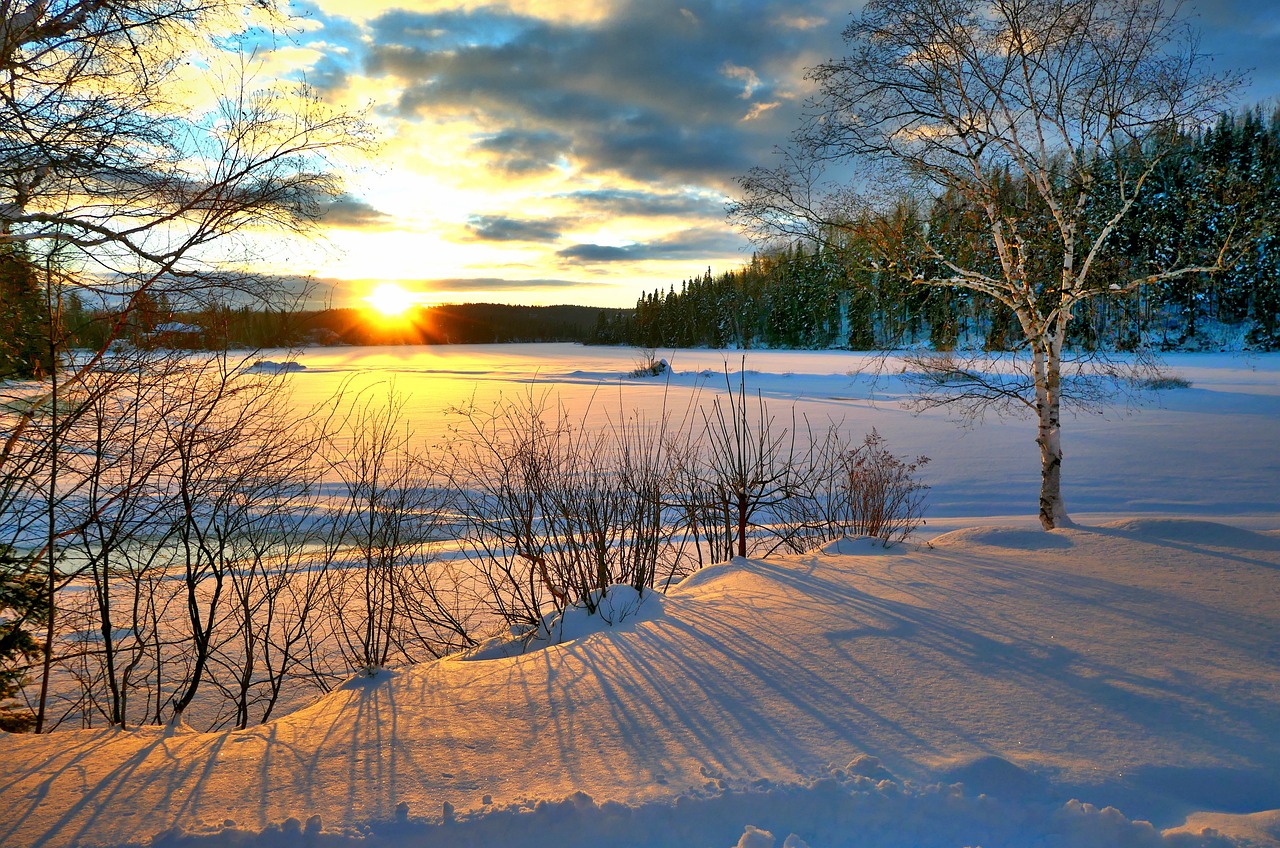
(391, 300)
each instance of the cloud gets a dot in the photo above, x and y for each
(503, 228)
(801, 21)
(758, 109)
(469, 284)
(701, 242)
(519, 151)
(652, 93)
(646, 204)
(599, 253)
(1243, 35)
(746, 75)
(348, 212)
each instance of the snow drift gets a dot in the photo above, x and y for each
(1113, 685)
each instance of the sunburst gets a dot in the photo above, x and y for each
(391, 300)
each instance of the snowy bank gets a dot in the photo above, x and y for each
(1000, 687)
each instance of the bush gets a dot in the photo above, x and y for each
(853, 491)
(648, 364)
(1164, 382)
(879, 494)
(555, 512)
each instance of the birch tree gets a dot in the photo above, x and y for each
(1046, 116)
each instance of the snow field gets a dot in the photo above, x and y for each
(1052, 675)
(1112, 685)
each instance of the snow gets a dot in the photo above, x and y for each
(269, 366)
(620, 606)
(1112, 684)
(1155, 459)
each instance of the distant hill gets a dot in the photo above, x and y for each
(465, 323)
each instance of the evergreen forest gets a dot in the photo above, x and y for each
(845, 288)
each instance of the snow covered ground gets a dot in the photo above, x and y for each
(1113, 684)
(1160, 458)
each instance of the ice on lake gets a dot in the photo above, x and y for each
(1166, 456)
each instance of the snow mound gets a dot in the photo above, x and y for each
(709, 576)
(615, 606)
(1211, 533)
(858, 546)
(1252, 829)
(1008, 538)
(997, 776)
(370, 678)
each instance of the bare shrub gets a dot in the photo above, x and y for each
(812, 515)
(385, 600)
(841, 489)
(1165, 382)
(647, 364)
(877, 492)
(555, 512)
(743, 467)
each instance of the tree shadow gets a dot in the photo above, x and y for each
(1145, 687)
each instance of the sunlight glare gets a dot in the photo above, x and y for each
(391, 300)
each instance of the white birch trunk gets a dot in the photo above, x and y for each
(1047, 365)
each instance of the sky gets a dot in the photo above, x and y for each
(580, 151)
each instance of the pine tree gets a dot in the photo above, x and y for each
(25, 350)
(24, 608)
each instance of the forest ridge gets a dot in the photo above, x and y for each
(844, 292)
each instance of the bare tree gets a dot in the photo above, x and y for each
(746, 465)
(272, 596)
(106, 171)
(1046, 117)
(115, 530)
(382, 581)
(231, 460)
(176, 466)
(116, 185)
(499, 466)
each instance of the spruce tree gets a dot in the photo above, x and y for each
(25, 350)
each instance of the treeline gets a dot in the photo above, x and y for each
(852, 287)
(156, 324)
(465, 323)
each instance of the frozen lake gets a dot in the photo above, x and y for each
(1209, 450)
(973, 685)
